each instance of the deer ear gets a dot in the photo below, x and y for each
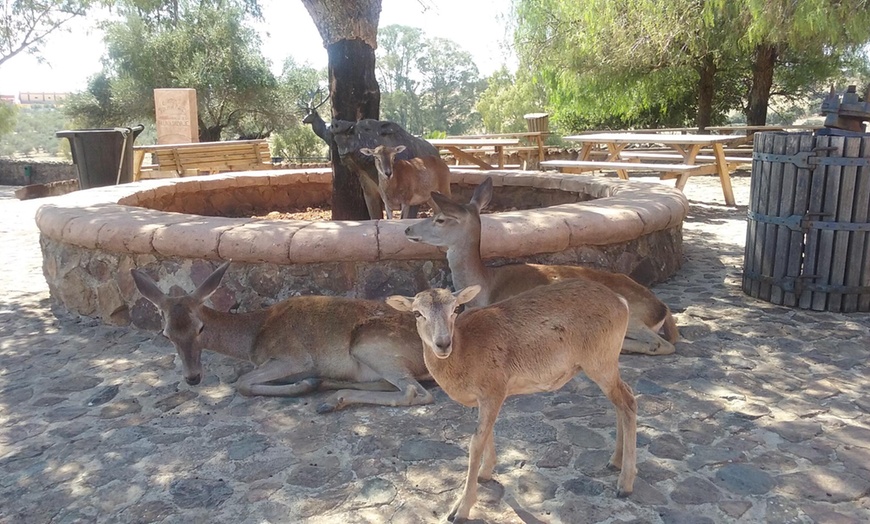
(366, 151)
(211, 283)
(467, 295)
(148, 287)
(445, 205)
(400, 303)
(482, 194)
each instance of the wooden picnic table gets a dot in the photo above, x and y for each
(686, 145)
(464, 148)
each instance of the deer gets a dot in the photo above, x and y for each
(533, 342)
(457, 228)
(364, 349)
(313, 118)
(406, 183)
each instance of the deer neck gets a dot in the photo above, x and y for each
(230, 334)
(467, 269)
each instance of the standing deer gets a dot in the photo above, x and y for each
(456, 227)
(362, 348)
(536, 341)
(406, 183)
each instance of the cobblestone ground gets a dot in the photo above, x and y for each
(761, 416)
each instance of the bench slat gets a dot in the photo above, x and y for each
(636, 166)
(677, 156)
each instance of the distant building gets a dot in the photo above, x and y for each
(7, 99)
(42, 98)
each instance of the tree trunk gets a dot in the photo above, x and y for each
(349, 29)
(762, 81)
(355, 95)
(706, 89)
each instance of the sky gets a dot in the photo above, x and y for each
(477, 26)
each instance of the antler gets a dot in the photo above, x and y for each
(310, 107)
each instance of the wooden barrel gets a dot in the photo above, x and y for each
(808, 229)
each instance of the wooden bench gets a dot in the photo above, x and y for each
(646, 155)
(208, 157)
(578, 166)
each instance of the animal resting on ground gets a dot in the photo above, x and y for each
(403, 184)
(536, 341)
(457, 227)
(365, 349)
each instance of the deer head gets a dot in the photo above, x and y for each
(182, 318)
(310, 108)
(384, 156)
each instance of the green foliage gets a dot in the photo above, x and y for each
(427, 84)
(34, 132)
(8, 114)
(294, 140)
(209, 46)
(25, 24)
(638, 63)
(507, 98)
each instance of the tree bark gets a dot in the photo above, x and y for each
(349, 29)
(706, 90)
(762, 82)
(355, 95)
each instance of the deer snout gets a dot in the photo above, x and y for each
(409, 234)
(443, 347)
(194, 379)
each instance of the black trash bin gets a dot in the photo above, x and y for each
(103, 157)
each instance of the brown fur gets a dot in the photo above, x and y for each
(532, 342)
(405, 183)
(363, 348)
(457, 227)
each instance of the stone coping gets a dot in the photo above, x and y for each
(109, 219)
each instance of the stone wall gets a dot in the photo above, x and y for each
(97, 283)
(91, 239)
(13, 172)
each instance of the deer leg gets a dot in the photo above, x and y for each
(641, 339)
(392, 366)
(488, 412)
(410, 211)
(255, 382)
(625, 454)
(372, 195)
(489, 459)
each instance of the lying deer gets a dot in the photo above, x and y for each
(406, 183)
(535, 341)
(363, 348)
(457, 227)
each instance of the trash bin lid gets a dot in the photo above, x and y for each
(536, 115)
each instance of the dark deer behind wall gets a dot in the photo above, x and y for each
(349, 137)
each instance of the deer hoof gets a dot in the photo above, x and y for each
(622, 493)
(326, 407)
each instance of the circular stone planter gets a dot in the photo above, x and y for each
(180, 229)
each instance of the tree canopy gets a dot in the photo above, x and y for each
(631, 63)
(206, 45)
(427, 84)
(25, 24)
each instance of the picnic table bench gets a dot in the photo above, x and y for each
(686, 146)
(530, 143)
(210, 157)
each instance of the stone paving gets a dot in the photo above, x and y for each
(762, 415)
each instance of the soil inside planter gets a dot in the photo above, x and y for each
(324, 214)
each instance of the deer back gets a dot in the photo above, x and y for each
(326, 327)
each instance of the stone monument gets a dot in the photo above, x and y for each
(175, 111)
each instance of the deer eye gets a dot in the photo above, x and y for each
(418, 314)
(457, 310)
(440, 220)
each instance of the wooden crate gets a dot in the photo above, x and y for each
(808, 230)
